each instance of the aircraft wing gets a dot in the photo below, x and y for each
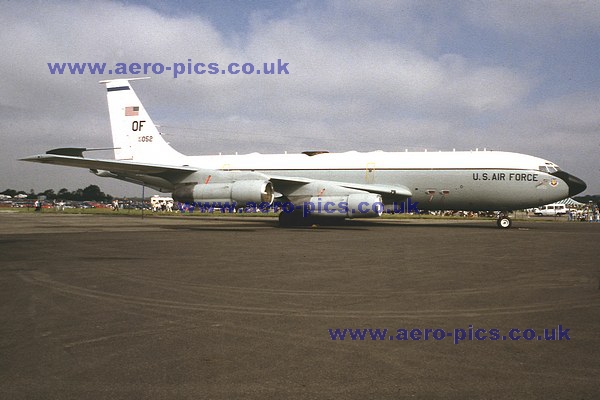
(389, 193)
(166, 177)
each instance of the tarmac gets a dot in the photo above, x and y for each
(112, 307)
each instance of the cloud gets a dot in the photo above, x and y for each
(363, 76)
(542, 20)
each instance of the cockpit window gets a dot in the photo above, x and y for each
(549, 168)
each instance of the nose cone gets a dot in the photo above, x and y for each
(575, 184)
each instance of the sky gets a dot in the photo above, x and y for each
(363, 75)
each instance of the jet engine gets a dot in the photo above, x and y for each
(356, 205)
(240, 192)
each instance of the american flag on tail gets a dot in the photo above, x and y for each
(132, 111)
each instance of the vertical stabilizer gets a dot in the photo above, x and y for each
(135, 136)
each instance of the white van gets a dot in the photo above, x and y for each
(551, 210)
(159, 203)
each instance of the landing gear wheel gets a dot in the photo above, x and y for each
(295, 218)
(504, 222)
(285, 220)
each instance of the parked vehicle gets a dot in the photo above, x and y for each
(551, 210)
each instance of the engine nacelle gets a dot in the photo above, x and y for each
(103, 173)
(357, 205)
(239, 192)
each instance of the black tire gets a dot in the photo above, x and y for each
(295, 218)
(285, 219)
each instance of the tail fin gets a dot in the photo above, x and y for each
(135, 136)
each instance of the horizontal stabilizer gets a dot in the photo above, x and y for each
(174, 172)
(74, 151)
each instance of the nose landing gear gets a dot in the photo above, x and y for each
(503, 220)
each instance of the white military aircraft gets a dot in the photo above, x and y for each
(318, 183)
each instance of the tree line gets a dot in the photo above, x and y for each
(93, 193)
(90, 193)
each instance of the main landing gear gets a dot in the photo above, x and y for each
(295, 218)
(503, 220)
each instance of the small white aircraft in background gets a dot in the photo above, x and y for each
(342, 185)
